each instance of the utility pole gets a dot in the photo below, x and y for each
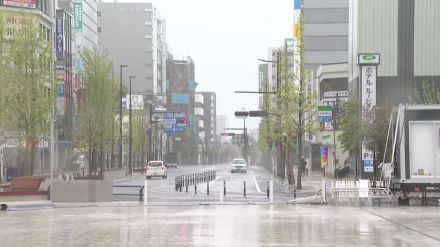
(335, 114)
(120, 114)
(150, 129)
(130, 167)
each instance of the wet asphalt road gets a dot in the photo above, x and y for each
(163, 190)
(122, 224)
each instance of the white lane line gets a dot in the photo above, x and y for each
(210, 184)
(256, 185)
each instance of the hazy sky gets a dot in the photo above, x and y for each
(225, 38)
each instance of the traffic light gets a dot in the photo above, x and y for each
(182, 121)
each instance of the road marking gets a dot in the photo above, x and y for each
(210, 184)
(256, 185)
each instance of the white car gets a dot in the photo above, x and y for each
(238, 165)
(156, 169)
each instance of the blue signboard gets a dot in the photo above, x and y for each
(325, 119)
(174, 122)
(180, 98)
(60, 90)
(297, 4)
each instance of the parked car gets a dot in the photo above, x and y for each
(156, 169)
(238, 165)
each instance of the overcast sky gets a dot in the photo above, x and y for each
(225, 38)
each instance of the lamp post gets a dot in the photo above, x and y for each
(130, 167)
(120, 114)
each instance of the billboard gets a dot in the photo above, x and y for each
(324, 155)
(20, 3)
(78, 16)
(137, 102)
(59, 44)
(260, 78)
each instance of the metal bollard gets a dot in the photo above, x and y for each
(267, 190)
(195, 188)
(244, 188)
(141, 193)
(207, 188)
(224, 188)
(294, 191)
(176, 183)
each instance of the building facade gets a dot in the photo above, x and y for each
(405, 33)
(210, 127)
(325, 32)
(180, 91)
(134, 34)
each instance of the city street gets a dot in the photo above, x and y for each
(163, 190)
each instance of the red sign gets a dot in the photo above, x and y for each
(20, 3)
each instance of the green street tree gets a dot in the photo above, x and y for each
(26, 81)
(426, 93)
(372, 132)
(96, 117)
(301, 105)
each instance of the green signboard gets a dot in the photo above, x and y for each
(78, 16)
(368, 59)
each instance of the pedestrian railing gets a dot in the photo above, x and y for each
(140, 187)
(360, 189)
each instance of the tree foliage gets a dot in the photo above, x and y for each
(426, 94)
(372, 132)
(96, 117)
(26, 81)
(349, 126)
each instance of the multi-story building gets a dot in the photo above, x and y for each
(221, 123)
(134, 34)
(210, 122)
(325, 32)
(405, 34)
(180, 90)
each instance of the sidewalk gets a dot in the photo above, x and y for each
(310, 184)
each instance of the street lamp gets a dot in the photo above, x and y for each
(120, 114)
(130, 167)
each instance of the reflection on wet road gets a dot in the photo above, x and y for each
(220, 225)
(163, 190)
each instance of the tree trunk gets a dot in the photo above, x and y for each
(299, 161)
(290, 175)
(90, 156)
(31, 159)
(280, 171)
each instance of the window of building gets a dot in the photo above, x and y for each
(99, 29)
(98, 13)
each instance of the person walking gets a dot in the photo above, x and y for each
(303, 166)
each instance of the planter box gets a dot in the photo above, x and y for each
(82, 191)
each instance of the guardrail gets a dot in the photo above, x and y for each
(141, 191)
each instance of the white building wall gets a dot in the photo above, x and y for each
(427, 38)
(373, 29)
